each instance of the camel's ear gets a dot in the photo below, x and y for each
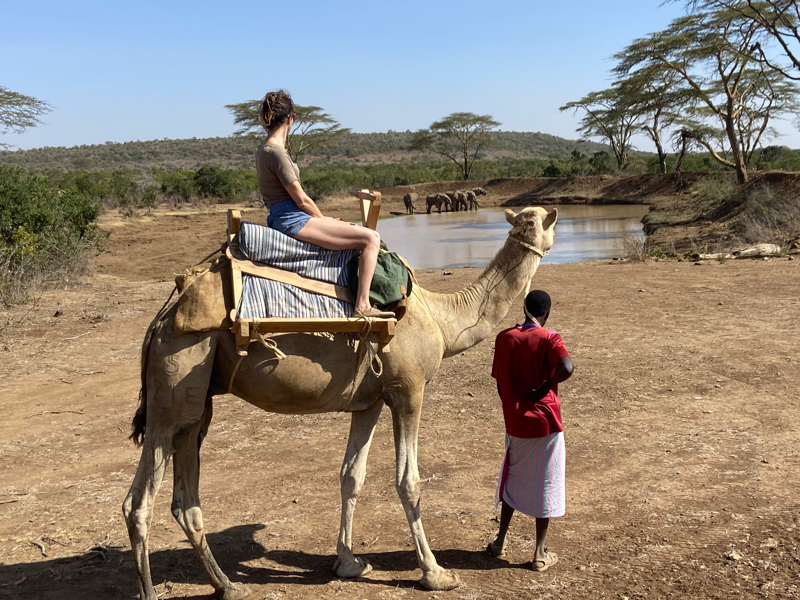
(550, 220)
(511, 216)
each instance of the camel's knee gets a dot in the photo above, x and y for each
(351, 485)
(408, 492)
(136, 518)
(190, 519)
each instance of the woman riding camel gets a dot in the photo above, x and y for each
(293, 213)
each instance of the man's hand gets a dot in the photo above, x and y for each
(538, 394)
(563, 372)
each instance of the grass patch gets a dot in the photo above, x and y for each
(769, 218)
(637, 248)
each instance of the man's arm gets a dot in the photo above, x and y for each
(563, 372)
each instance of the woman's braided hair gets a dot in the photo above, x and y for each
(276, 108)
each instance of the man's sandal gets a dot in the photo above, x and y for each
(495, 550)
(548, 561)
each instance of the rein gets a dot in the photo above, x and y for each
(538, 253)
(533, 249)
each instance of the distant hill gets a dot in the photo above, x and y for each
(237, 152)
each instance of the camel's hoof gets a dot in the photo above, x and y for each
(440, 581)
(358, 567)
(237, 591)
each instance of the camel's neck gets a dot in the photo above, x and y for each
(469, 316)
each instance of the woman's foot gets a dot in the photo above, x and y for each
(544, 563)
(496, 549)
(374, 313)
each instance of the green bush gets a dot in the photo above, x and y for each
(215, 182)
(45, 233)
(552, 170)
(178, 186)
(714, 189)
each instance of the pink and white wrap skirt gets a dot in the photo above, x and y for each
(532, 477)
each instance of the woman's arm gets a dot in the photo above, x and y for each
(302, 200)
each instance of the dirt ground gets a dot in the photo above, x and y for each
(681, 425)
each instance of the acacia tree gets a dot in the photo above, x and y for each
(709, 52)
(656, 96)
(458, 137)
(312, 126)
(610, 116)
(19, 112)
(779, 21)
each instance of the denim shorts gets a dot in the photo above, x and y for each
(287, 218)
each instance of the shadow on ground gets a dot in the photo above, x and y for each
(109, 573)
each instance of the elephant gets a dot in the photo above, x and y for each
(437, 200)
(409, 200)
(473, 200)
(460, 200)
(452, 197)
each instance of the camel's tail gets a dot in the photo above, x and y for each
(139, 422)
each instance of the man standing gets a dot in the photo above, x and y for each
(529, 363)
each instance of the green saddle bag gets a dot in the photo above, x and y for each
(390, 275)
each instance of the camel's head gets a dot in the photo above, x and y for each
(534, 226)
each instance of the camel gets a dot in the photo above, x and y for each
(437, 200)
(181, 375)
(409, 200)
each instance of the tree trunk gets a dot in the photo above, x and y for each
(741, 173)
(662, 156)
(733, 140)
(679, 160)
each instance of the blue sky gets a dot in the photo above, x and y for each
(147, 70)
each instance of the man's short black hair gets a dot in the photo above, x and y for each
(537, 303)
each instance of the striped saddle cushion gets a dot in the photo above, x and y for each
(263, 298)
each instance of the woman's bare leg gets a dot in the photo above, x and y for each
(341, 235)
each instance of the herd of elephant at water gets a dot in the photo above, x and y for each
(458, 200)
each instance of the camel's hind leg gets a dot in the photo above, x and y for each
(354, 469)
(405, 422)
(176, 373)
(186, 504)
(138, 509)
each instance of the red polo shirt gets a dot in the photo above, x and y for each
(524, 358)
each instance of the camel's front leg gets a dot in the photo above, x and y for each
(354, 469)
(405, 421)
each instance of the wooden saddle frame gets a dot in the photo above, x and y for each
(248, 330)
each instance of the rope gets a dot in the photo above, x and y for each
(366, 329)
(235, 370)
(533, 249)
(268, 343)
(536, 251)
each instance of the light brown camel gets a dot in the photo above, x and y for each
(180, 376)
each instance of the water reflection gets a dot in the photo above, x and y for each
(472, 238)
